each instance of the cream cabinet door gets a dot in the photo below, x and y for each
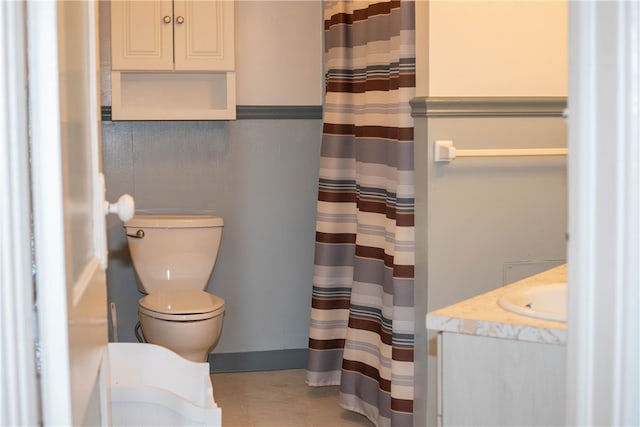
(204, 35)
(142, 35)
(182, 35)
(487, 381)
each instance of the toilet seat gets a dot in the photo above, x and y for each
(181, 306)
(174, 221)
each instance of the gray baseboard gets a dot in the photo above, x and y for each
(273, 360)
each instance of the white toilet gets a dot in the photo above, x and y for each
(173, 256)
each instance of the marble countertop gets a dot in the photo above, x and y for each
(483, 316)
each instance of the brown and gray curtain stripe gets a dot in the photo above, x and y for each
(362, 315)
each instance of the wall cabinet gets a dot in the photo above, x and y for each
(172, 35)
(173, 59)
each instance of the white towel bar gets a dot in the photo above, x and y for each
(445, 152)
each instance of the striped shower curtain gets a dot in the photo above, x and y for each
(362, 316)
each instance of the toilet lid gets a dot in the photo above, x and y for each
(192, 303)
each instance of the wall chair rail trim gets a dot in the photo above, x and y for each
(259, 112)
(279, 112)
(544, 106)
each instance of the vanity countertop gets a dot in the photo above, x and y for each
(483, 316)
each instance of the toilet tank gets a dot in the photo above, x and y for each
(172, 252)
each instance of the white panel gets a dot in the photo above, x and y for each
(75, 134)
(87, 339)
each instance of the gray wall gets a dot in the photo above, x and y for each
(489, 216)
(482, 223)
(261, 176)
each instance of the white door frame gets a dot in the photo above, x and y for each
(603, 372)
(18, 394)
(47, 194)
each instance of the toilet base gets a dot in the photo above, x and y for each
(191, 340)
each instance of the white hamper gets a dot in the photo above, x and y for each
(152, 386)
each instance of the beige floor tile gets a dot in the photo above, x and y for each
(279, 399)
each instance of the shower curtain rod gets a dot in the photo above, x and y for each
(445, 152)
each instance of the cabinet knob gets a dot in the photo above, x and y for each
(166, 19)
(180, 20)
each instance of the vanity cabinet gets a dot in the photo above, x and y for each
(172, 59)
(499, 382)
(495, 367)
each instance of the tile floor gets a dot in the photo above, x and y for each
(279, 399)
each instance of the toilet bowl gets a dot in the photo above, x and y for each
(173, 257)
(187, 322)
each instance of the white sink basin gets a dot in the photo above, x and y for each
(548, 301)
